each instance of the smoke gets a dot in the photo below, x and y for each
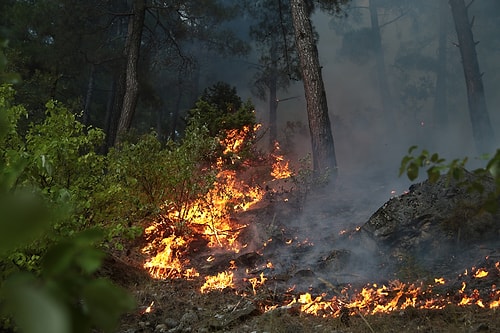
(369, 148)
(370, 141)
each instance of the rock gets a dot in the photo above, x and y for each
(161, 328)
(224, 319)
(434, 220)
(171, 322)
(189, 318)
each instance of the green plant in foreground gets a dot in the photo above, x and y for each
(54, 290)
(437, 166)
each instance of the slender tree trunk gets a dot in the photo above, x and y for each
(175, 115)
(440, 105)
(323, 149)
(273, 99)
(88, 96)
(385, 92)
(482, 130)
(132, 49)
(114, 107)
(273, 112)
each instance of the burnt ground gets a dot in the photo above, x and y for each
(316, 245)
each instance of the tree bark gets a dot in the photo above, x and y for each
(273, 113)
(132, 49)
(114, 106)
(323, 149)
(385, 92)
(440, 105)
(88, 96)
(482, 130)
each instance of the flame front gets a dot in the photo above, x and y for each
(397, 296)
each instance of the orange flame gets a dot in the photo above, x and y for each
(220, 281)
(209, 216)
(280, 168)
(373, 299)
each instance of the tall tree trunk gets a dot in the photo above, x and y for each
(440, 105)
(273, 99)
(385, 92)
(323, 149)
(114, 107)
(482, 130)
(132, 48)
(273, 112)
(88, 96)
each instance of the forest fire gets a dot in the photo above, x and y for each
(210, 217)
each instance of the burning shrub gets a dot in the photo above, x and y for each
(156, 178)
(225, 116)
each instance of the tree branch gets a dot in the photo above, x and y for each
(470, 3)
(393, 20)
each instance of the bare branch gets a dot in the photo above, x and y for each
(470, 3)
(394, 19)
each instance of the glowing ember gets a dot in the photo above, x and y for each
(255, 282)
(221, 281)
(149, 309)
(280, 169)
(439, 281)
(480, 273)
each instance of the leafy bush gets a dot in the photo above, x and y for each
(151, 178)
(220, 109)
(54, 291)
(436, 166)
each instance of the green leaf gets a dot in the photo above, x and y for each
(105, 303)
(433, 174)
(412, 171)
(23, 218)
(435, 158)
(90, 260)
(34, 309)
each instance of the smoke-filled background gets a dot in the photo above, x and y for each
(369, 137)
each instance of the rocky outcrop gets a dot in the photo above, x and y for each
(438, 225)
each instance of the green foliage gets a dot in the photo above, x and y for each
(54, 290)
(65, 297)
(6, 77)
(436, 166)
(220, 109)
(155, 178)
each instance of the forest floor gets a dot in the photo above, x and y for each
(177, 304)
